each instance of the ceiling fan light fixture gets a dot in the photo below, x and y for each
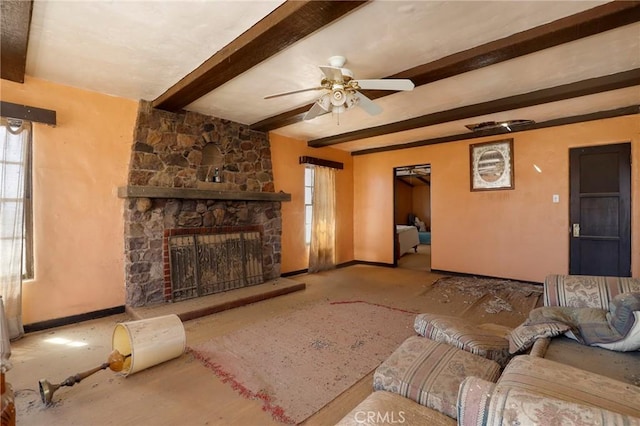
(351, 100)
(325, 102)
(338, 97)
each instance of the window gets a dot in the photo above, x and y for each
(15, 170)
(308, 202)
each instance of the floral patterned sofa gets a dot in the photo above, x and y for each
(460, 373)
(530, 391)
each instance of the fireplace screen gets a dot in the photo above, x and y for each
(206, 264)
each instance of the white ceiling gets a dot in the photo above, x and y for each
(139, 49)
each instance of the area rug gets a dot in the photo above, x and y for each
(298, 362)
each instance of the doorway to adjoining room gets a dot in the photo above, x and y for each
(412, 217)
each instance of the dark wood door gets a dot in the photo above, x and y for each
(600, 210)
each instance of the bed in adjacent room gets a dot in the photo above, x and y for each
(407, 238)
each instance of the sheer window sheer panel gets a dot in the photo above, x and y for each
(322, 250)
(15, 218)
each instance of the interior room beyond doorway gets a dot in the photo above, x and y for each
(412, 210)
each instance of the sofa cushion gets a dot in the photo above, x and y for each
(486, 340)
(430, 373)
(386, 408)
(585, 291)
(485, 403)
(555, 380)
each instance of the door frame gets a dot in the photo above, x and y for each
(625, 257)
(395, 219)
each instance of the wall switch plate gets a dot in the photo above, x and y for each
(556, 198)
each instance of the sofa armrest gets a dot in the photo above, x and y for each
(485, 403)
(540, 347)
(571, 384)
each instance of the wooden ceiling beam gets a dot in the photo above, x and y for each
(593, 21)
(15, 21)
(425, 181)
(401, 179)
(290, 22)
(600, 115)
(566, 91)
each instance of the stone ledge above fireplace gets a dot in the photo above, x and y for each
(199, 194)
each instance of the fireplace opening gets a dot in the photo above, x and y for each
(201, 264)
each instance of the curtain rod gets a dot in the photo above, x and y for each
(29, 113)
(320, 162)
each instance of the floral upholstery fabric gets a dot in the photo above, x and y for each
(585, 291)
(486, 340)
(525, 335)
(485, 403)
(556, 380)
(430, 373)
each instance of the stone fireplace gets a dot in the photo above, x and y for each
(170, 194)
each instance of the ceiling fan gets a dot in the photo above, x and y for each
(343, 91)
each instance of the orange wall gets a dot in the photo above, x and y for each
(518, 233)
(78, 218)
(288, 176)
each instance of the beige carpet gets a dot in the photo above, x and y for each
(297, 363)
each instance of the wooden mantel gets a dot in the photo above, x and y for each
(199, 194)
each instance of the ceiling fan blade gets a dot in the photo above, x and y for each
(314, 112)
(367, 104)
(293, 92)
(382, 84)
(332, 73)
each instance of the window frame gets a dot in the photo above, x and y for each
(309, 178)
(27, 253)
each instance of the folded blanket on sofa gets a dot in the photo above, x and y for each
(590, 326)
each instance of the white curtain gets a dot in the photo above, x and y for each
(322, 252)
(15, 137)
